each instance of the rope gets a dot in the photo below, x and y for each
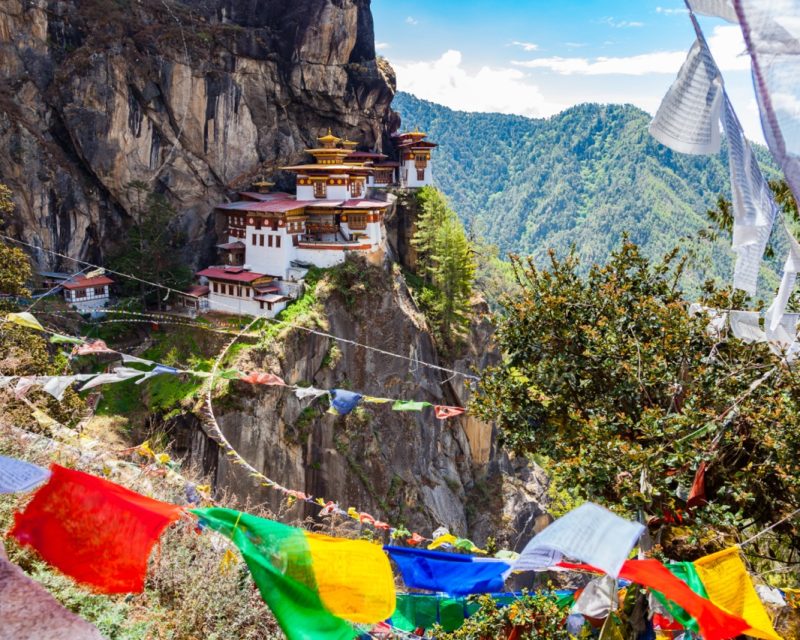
(770, 528)
(293, 325)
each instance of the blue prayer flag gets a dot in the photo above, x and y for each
(453, 573)
(343, 401)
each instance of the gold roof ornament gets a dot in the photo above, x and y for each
(329, 140)
(349, 144)
(263, 186)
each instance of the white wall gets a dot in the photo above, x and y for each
(411, 173)
(234, 305)
(269, 260)
(321, 257)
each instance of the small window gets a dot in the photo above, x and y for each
(320, 189)
(261, 304)
(420, 174)
(254, 239)
(230, 290)
(261, 240)
(80, 293)
(239, 291)
(274, 224)
(295, 241)
(269, 238)
(277, 242)
(216, 287)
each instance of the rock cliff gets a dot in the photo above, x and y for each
(192, 98)
(404, 467)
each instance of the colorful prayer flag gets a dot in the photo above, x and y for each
(729, 587)
(443, 412)
(260, 377)
(97, 532)
(410, 405)
(445, 539)
(312, 582)
(589, 533)
(17, 475)
(25, 319)
(91, 348)
(344, 401)
(57, 338)
(452, 573)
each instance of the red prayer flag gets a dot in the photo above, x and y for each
(443, 413)
(91, 348)
(415, 539)
(714, 623)
(257, 377)
(97, 532)
(697, 496)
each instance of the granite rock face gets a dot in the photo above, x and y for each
(193, 98)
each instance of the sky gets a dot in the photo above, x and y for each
(536, 58)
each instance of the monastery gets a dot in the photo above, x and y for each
(272, 238)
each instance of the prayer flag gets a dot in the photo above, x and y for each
(312, 582)
(746, 326)
(443, 412)
(344, 401)
(91, 348)
(309, 392)
(447, 538)
(97, 532)
(17, 475)
(374, 400)
(57, 385)
(729, 587)
(452, 573)
(598, 598)
(29, 612)
(120, 374)
(261, 377)
(716, 8)
(59, 339)
(688, 119)
(25, 319)
(419, 611)
(410, 405)
(714, 622)
(589, 533)
(685, 572)
(24, 385)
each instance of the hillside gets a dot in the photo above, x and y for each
(582, 177)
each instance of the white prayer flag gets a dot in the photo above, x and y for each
(309, 392)
(590, 534)
(688, 119)
(598, 598)
(18, 475)
(746, 326)
(716, 8)
(120, 374)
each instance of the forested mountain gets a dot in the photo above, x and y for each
(584, 177)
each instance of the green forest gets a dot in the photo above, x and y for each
(583, 177)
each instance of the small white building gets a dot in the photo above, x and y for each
(415, 159)
(87, 294)
(237, 290)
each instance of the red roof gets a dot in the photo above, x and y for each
(197, 291)
(232, 246)
(264, 197)
(82, 282)
(269, 206)
(230, 274)
(365, 154)
(364, 204)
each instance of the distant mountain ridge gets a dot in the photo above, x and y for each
(584, 176)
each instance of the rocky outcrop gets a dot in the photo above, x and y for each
(192, 98)
(401, 467)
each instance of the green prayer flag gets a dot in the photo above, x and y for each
(410, 405)
(59, 339)
(423, 611)
(686, 572)
(25, 319)
(230, 374)
(280, 561)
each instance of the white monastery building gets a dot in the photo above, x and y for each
(87, 294)
(272, 238)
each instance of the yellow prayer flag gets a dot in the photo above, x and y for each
(45, 421)
(447, 538)
(374, 400)
(162, 458)
(354, 578)
(25, 319)
(729, 587)
(145, 450)
(227, 562)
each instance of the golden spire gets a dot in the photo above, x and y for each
(329, 141)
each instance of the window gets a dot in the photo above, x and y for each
(247, 292)
(420, 174)
(260, 304)
(216, 287)
(274, 224)
(355, 188)
(320, 189)
(295, 241)
(230, 289)
(254, 239)
(269, 241)
(277, 242)
(261, 240)
(239, 291)
(80, 293)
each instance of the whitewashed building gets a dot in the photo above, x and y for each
(87, 294)
(271, 237)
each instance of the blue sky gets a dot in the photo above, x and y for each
(537, 58)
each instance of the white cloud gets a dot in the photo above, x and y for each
(576, 45)
(447, 82)
(725, 42)
(526, 46)
(381, 46)
(620, 24)
(668, 11)
(411, 20)
(643, 64)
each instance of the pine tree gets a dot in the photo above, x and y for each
(446, 264)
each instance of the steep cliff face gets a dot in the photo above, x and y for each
(404, 467)
(193, 98)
